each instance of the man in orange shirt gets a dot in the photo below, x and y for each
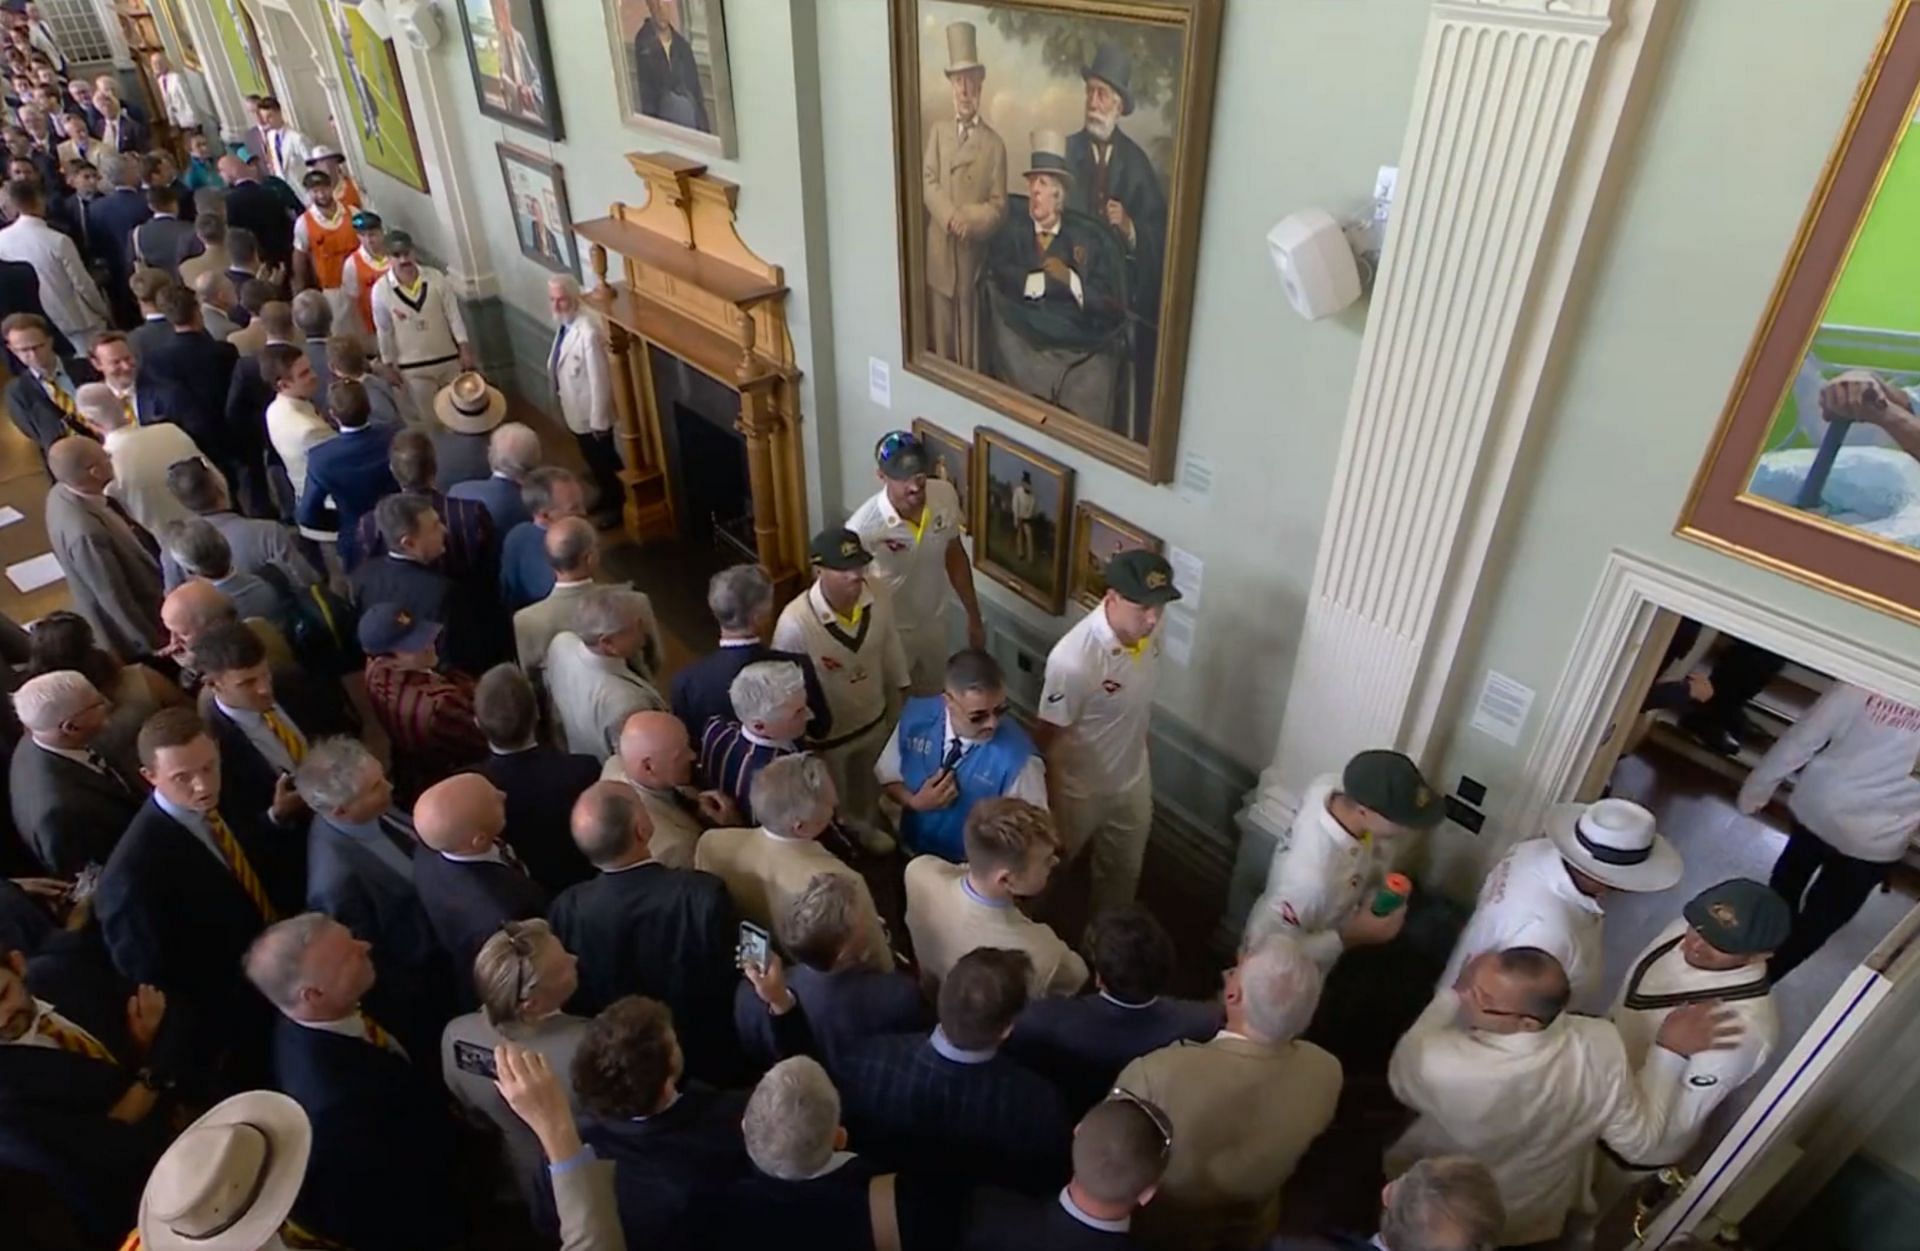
(323, 241)
(363, 271)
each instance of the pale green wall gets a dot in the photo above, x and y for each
(1313, 96)
(1720, 173)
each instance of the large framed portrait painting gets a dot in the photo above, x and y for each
(1815, 468)
(377, 99)
(671, 59)
(512, 62)
(1050, 159)
(537, 189)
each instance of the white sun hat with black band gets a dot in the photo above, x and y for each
(1614, 842)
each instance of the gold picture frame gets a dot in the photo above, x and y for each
(952, 458)
(1087, 338)
(1093, 528)
(1021, 544)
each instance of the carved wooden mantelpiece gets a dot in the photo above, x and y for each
(688, 285)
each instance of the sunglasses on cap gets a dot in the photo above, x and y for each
(1153, 1113)
(894, 444)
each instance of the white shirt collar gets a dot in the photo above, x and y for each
(348, 1026)
(753, 642)
(490, 856)
(758, 741)
(783, 838)
(1054, 229)
(836, 1161)
(638, 864)
(511, 751)
(1074, 1210)
(1131, 1007)
(966, 888)
(78, 755)
(959, 1055)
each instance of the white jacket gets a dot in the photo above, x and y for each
(1316, 880)
(1661, 981)
(1529, 901)
(1528, 1106)
(67, 291)
(580, 376)
(1856, 752)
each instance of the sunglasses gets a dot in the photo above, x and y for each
(1153, 1113)
(995, 713)
(896, 444)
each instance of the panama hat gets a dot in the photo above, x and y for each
(470, 404)
(1614, 842)
(229, 1181)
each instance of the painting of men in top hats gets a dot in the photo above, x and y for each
(672, 70)
(1048, 242)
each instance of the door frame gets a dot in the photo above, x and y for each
(1605, 653)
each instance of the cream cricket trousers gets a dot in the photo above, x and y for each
(850, 764)
(1115, 826)
(928, 649)
(424, 382)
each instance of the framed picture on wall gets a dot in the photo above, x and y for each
(1021, 503)
(1814, 471)
(168, 11)
(1049, 160)
(512, 62)
(241, 44)
(1099, 536)
(952, 462)
(670, 59)
(377, 99)
(537, 190)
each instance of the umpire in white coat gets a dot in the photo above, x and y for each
(1550, 892)
(1319, 887)
(583, 387)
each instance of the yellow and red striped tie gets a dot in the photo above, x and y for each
(73, 1038)
(380, 1038)
(242, 868)
(69, 414)
(289, 737)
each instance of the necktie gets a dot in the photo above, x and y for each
(242, 868)
(69, 415)
(287, 736)
(508, 858)
(955, 750)
(106, 770)
(398, 831)
(127, 408)
(553, 358)
(1045, 238)
(279, 155)
(380, 1038)
(72, 1038)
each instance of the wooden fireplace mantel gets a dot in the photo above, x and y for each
(688, 285)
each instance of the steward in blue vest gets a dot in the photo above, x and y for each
(981, 770)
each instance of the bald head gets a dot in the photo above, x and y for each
(193, 608)
(611, 826)
(80, 463)
(232, 169)
(573, 549)
(654, 750)
(463, 815)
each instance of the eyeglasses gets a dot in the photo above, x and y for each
(1153, 1113)
(984, 715)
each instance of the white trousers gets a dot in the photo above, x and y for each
(850, 764)
(928, 647)
(424, 382)
(1115, 825)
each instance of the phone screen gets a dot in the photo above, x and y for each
(754, 946)
(473, 1058)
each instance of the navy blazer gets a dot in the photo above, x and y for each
(34, 411)
(252, 205)
(471, 538)
(541, 785)
(69, 814)
(196, 370)
(380, 1177)
(352, 469)
(995, 1121)
(700, 689)
(472, 637)
(175, 917)
(1081, 1043)
(665, 933)
(134, 134)
(467, 902)
(111, 221)
(351, 882)
(844, 1008)
(999, 1220)
(525, 576)
(499, 496)
(248, 396)
(247, 776)
(662, 1166)
(150, 332)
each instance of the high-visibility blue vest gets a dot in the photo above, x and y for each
(984, 772)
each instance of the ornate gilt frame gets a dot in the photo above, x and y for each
(984, 559)
(1720, 512)
(1199, 21)
(1085, 515)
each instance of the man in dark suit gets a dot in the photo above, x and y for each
(1053, 268)
(40, 399)
(161, 240)
(20, 293)
(1443, 1201)
(640, 927)
(360, 859)
(349, 473)
(469, 881)
(69, 802)
(263, 724)
(741, 600)
(949, 1103)
(666, 73)
(111, 221)
(826, 932)
(194, 881)
(120, 130)
(473, 538)
(255, 207)
(1081, 1043)
(540, 783)
(408, 575)
(1120, 1150)
(145, 285)
(380, 1175)
(667, 1143)
(83, 1062)
(198, 370)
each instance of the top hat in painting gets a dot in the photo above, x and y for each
(1111, 66)
(963, 48)
(1049, 156)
